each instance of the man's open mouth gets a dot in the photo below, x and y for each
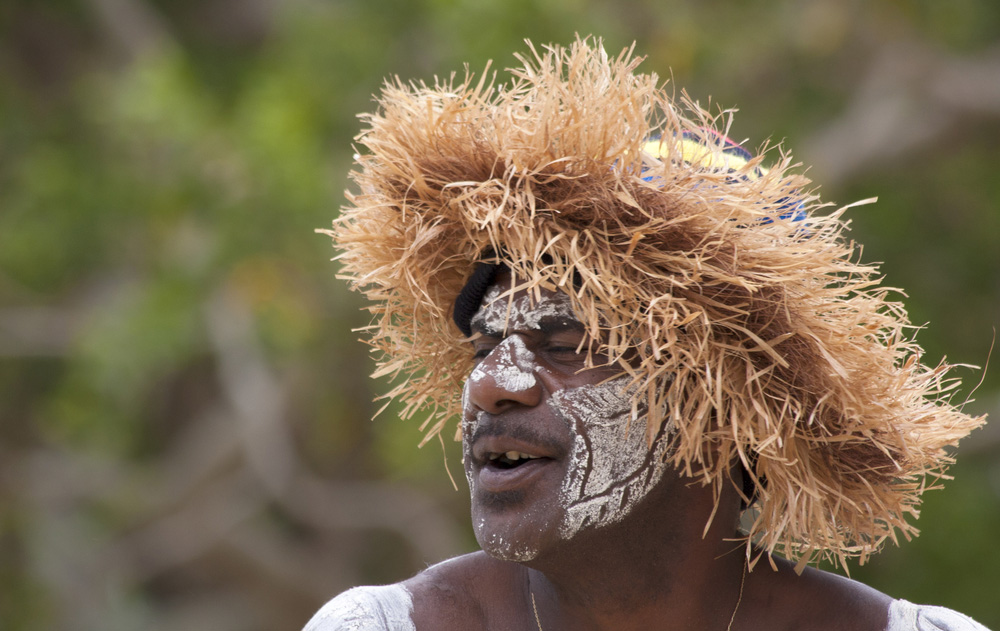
(511, 470)
(509, 459)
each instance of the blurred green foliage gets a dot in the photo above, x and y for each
(161, 160)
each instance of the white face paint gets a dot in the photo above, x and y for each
(513, 367)
(609, 466)
(514, 364)
(523, 311)
(612, 467)
(503, 548)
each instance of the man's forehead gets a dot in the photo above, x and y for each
(523, 310)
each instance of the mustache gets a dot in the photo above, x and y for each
(489, 426)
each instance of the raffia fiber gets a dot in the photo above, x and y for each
(759, 338)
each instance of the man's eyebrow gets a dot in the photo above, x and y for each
(480, 328)
(549, 325)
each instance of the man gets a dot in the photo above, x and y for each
(673, 366)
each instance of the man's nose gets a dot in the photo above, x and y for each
(505, 378)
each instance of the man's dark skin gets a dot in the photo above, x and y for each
(656, 568)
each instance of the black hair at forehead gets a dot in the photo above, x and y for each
(471, 297)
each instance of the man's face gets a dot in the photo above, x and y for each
(551, 447)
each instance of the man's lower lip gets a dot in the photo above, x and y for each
(495, 479)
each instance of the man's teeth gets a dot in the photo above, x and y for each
(512, 456)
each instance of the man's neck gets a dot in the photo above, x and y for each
(656, 567)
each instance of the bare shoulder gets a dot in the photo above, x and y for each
(819, 600)
(465, 593)
(473, 591)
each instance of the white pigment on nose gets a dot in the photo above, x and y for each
(511, 365)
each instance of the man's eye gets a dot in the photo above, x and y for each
(566, 349)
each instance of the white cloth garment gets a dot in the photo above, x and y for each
(386, 608)
(905, 616)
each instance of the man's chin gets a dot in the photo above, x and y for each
(519, 539)
(507, 551)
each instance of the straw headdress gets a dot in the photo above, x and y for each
(760, 338)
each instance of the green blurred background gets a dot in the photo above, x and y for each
(184, 433)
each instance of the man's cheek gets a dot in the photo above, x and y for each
(468, 414)
(469, 422)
